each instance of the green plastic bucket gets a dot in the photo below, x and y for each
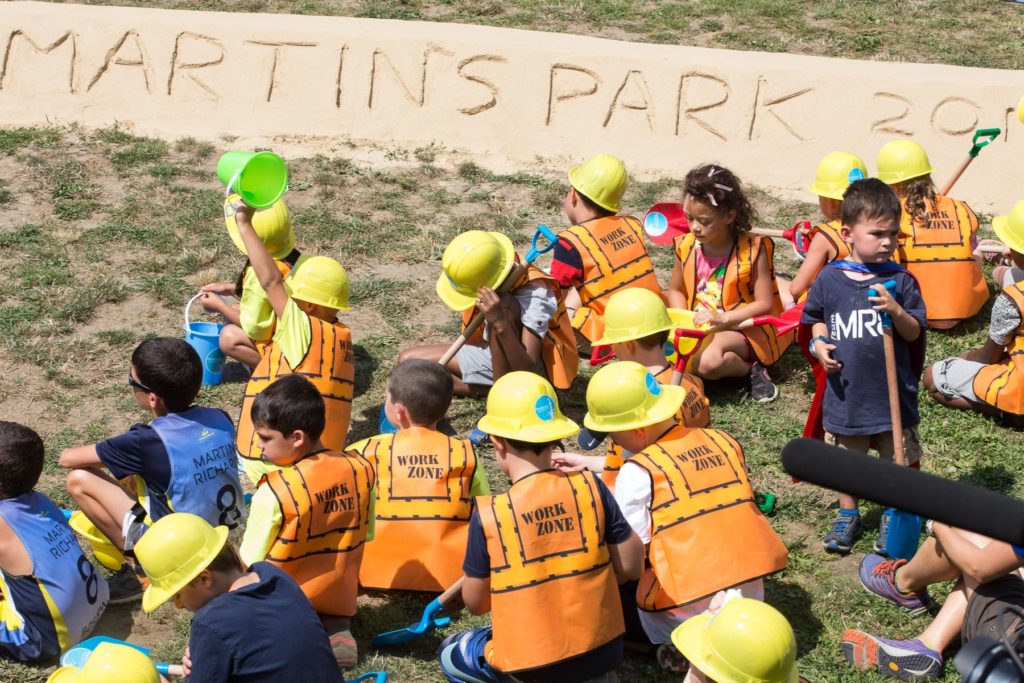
(260, 178)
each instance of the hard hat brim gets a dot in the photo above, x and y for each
(666, 405)
(559, 428)
(613, 338)
(65, 674)
(823, 190)
(1001, 225)
(157, 595)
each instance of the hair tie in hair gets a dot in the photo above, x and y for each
(712, 198)
(724, 188)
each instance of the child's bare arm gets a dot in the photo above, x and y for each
(261, 260)
(905, 324)
(818, 255)
(79, 456)
(476, 593)
(628, 557)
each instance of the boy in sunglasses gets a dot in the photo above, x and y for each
(184, 460)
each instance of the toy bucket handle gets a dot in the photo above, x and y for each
(188, 309)
(534, 252)
(982, 137)
(231, 183)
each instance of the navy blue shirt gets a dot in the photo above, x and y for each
(856, 398)
(265, 632)
(139, 451)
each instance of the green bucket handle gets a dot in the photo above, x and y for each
(982, 137)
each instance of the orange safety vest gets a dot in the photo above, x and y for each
(831, 231)
(938, 252)
(329, 364)
(553, 590)
(707, 534)
(561, 359)
(1000, 384)
(693, 413)
(423, 507)
(614, 256)
(738, 288)
(325, 502)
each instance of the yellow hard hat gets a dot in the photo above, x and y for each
(602, 179)
(272, 225)
(632, 314)
(625, 395)
(1020, 110)
(321, 280)
(835, 172)
(109, 663)
(523, 406)
(473, 260)
(902, 160)
(173, 552)
(748, 641)
(108, 554)
(1010, 228)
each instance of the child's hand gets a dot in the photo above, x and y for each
(569, 461)
(497, 308)
(883, 301)
(223, 288)
(823, 350)
(186, 663)
(243, 214)
(715, 319)
(211, 302)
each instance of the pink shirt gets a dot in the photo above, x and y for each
(710, 276)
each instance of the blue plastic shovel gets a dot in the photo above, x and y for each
(428, 622)
(376, 676)
(79, 654)
(904, 530)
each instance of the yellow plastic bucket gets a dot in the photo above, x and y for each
(260, 178)
(105, 551)
(690, 346)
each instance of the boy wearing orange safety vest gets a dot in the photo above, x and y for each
(526, 326)
(938, 236)
(308, 340)
(991, 379)
(602, 253)
(312, 516)
(542, 557)
(637, 327)
(687, 495)
(426, 482)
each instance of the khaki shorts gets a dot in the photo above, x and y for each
(880, 442)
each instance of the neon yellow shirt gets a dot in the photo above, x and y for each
(256, 315)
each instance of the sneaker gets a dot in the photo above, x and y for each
(672, 660)
(343, 645)
(878, 576)
(845, 531)
(882, 540)
(127, 585)
(907, 660)
(762, 388)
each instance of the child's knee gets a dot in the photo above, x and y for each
(927, 380)
(78, 482)
(230, 336)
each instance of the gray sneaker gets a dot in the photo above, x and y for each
(762, 388)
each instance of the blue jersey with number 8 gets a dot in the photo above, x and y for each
(51, 609)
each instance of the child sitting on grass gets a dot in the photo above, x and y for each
(937, 236)
(727, 275)
(308, 341)
(687, 495)
(988, 379)
(542, 557)
(637, 326)
(526, 327)
(251, 323)
(50, 595)
(313, 514)
(602, 253)
(844, 306)
(249, 624)
(183, 460)
(426, 483)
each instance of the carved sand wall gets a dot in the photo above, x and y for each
(503, 97)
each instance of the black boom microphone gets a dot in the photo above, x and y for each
(964, 506)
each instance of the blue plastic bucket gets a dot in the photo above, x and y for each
(204, 337)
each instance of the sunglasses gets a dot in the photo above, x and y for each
(136, 384)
